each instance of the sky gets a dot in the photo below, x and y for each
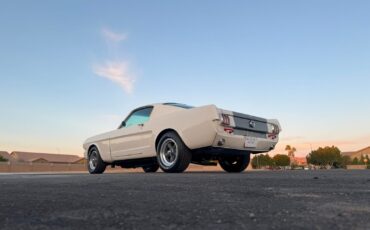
(72, 69)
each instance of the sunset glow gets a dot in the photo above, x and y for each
(65, 77)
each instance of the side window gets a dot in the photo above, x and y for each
(139, 117)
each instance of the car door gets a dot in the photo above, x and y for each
(130, 140)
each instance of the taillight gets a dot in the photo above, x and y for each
(273, 129)
(225, 119)
(229, 130)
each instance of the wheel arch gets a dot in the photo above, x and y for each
(101, 154)
(89, 149)
(160, 135)
(92, 145)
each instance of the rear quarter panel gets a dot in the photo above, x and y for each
(196, 126)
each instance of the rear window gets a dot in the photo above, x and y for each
(180, 105)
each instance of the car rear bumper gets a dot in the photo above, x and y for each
(236, 142)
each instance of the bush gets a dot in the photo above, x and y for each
(281, 160)
(326, 156)
(262, 161)
(355, 161)
(2, 159)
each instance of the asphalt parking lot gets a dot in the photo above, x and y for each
(254, 200)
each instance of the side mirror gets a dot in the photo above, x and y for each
(123, 124)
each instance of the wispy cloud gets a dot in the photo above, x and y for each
(116, 69)
(111, 36)
(118, 72)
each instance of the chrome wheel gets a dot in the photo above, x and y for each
(173, 155)
(95, 164)
(169, 152)
(93, 160)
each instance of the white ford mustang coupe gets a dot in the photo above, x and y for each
(171, 136)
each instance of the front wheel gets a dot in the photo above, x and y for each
(95, 164)
(235, 164)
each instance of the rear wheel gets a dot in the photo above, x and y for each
(235, 164)
(95, 164)
(172, 154)
(151, 169)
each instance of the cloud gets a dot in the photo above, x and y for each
(118, 72)
(115, 68)
(114, 37)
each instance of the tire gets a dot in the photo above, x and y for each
(172, 154)
(95, 164)
(151, 169)
(235, 164)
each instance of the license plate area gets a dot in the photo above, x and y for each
(250, 142)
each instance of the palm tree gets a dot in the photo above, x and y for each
(291, 153)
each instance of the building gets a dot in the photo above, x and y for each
(31, 157)
(7, 156)
(358, 154)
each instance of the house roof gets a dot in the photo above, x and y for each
(364, 149)
(81, 160)
(52, 158)
(348, 153)
(358, 154)
(37, 159)
(6, 155)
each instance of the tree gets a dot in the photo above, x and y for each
(2, 159)
(367, 159)
(291, 151)
(355, 161)
(325, 156)
(346, 160)
(281, 160)
(291, 154)
(362, 160)
(262, 161)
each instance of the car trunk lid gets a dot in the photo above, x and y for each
(244, 124)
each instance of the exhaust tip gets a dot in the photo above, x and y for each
(221, 142)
